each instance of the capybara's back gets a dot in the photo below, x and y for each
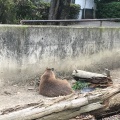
(52, 87)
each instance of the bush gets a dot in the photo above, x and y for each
(108, 10)
(12, 12)
(7, 13)
(74, 11)
(24, 9)
(105, 1)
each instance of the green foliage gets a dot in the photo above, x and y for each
(32, 10)
(80, 85)
(74, 11)
(12, 11)
(44, 10)
(105, 1)
(108, 10)
(24, 9)
(6, 11)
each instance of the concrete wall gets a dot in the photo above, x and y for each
(23, 49)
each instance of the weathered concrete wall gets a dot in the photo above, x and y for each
(23, 47)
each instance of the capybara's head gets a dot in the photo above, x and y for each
(49, 73)
(49, 69)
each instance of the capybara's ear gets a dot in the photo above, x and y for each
(52, 69)
(76, 71)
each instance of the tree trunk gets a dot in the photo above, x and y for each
(59, 9)
(54, 8)
(99, 103)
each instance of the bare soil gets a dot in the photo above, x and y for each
(11, 96)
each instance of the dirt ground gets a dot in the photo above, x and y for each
(10, 96)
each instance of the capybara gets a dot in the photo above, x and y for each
(52, 87)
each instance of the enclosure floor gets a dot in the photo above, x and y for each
(10, 96)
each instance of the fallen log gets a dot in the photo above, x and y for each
(98, 103)
(97, 80)
(85, 74)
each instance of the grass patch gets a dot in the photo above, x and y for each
(80, 85)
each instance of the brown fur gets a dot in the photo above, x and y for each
(52, 87)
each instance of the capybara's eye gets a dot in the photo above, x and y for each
(52, 69)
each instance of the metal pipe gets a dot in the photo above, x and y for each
(68, 20)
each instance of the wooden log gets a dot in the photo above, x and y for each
(85, 74)
(98, 102)
(94, 78)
